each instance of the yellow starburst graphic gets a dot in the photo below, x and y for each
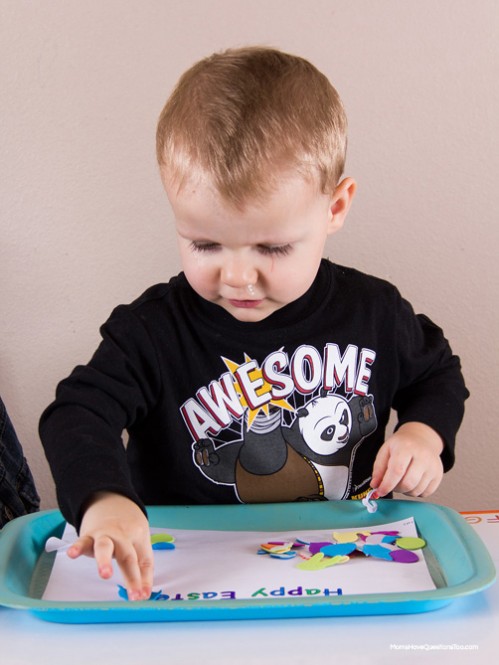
(263, 391)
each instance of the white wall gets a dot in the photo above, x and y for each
(85, 225)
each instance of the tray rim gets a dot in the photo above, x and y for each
(352, 604)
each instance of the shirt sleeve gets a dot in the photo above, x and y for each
(82, 430)
(431, 385)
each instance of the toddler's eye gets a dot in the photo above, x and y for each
(204, 246)
(275, 250)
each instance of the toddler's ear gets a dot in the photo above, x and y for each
(340, 203)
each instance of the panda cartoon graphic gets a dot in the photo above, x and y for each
(309, 460)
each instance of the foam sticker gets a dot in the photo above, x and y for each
(162, 541)
(384, 544)
(345, 537)
(282, 555)
(377, 551)
(319, 562)
(163, 546)
(314, 548)
(338, 549)
(404, 556)
(410, 543)
(389, 539)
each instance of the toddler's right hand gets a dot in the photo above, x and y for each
(114, 526)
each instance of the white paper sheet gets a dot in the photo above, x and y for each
(225, 564)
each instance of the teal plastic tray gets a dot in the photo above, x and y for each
(457, 559)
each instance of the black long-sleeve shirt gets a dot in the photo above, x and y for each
(293, 407)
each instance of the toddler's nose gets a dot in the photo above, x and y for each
(238, 273)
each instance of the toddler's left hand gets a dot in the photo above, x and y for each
(409, 462)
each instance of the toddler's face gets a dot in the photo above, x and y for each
(253, 261)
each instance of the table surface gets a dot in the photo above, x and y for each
(467, 630)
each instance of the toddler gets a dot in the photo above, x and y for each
(262, 372)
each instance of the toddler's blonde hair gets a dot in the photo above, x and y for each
(243, 116)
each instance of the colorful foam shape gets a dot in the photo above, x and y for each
(378, 551)
(163, 546)
(314, 548)
(161, 538)
(345, 537)
(319, 562)
(380, 544)
(404, 556)
(410, 543)
(338, 549)
(282, 555)
(276, 548)
(389, 539)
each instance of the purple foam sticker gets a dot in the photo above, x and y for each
(314, 548)
(404, 556)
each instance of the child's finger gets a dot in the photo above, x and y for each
(103, 553)
(128, 562)
(83, 546)
(426, 484)
(431, 487)
(380, 466)
(394, 473)
(146, 565)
